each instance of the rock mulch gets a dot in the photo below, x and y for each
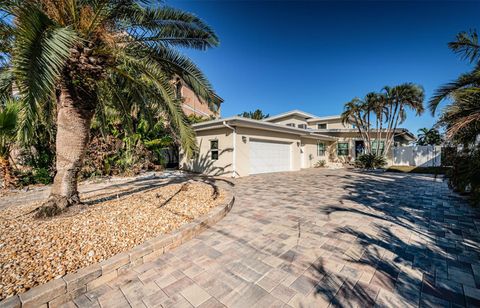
(33, 251)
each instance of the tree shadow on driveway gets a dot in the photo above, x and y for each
(415, 244)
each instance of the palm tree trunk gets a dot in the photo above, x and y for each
(392, 136)
(6, 170)
(73, 128)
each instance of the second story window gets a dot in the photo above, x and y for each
(302, 126)
(322, 126)
(214, 149)
(291, 124)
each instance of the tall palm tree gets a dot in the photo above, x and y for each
(8, 131)
(72, 53)
(462, 116)
(354, 114)
(401, 98)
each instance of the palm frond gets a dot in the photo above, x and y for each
(39, 55)
(467, 46)
(464, 81)
(183, 67)
(157, 84)
(169, 26)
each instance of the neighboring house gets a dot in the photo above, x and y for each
(289, 141)
(192, 104)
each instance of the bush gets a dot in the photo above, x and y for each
(320, 164)
(464, 176)
(370, 161)
(34, 176)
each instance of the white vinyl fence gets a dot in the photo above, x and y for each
(420, 156)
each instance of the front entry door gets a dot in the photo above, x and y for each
(359, 148)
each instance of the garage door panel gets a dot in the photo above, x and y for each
(269, 156)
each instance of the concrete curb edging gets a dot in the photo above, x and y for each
(61, 290)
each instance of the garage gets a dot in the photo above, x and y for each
(269, 156)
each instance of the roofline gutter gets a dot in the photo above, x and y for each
(234, 163)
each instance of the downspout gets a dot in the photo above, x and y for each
(234, 163)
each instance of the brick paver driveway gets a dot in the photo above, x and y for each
(316, 238)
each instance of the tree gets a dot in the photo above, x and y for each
(256, 115)
(429, 136)
(461, 117)
(70, 55)
(399, 99)
(8, 131)
(386, 109)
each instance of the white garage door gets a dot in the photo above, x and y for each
(269, 156)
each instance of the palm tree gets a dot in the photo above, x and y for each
(462, 116)
(256, 115)
(71, 54)
(429, 136)
(354, 114)
(8, 131)
(400, 98)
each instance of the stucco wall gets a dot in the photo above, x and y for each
(203, 162)
(331, 124)
(290, 119)
(309, 147)
(224, 165)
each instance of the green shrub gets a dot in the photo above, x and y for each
(42, 176)
(370, 161)
(320, 164)
(464, 175)
(34, 176)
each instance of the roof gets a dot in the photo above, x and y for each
(308, 116)
(316, 119)
(245, 122)
(289, 113)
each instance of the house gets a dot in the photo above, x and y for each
(289, 141)
(194, 105)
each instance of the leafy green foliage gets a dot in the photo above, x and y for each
(112, 55)
(378, 115)
(461, 117)
(8, 127)
(320, 164)
(429, 136)
(464, 176)
(370, 161)
(256, 115)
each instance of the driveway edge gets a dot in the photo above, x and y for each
(61, 290)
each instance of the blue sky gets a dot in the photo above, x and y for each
(315, 56)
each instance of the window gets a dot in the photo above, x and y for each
(303, 126)
(291, 124)
(342, 149)
(214, 149)
(320, 149)
(322, 126)
(381, 147)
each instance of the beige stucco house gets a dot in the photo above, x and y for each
(289, 141)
